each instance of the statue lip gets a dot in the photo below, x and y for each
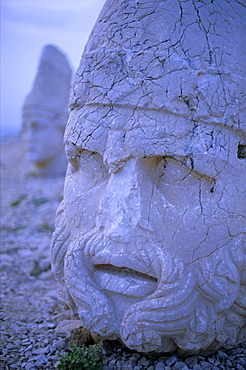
(123, 273)
(123, 259)
(124, 281)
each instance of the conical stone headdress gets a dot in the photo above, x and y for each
(51, 86)
(174, 56)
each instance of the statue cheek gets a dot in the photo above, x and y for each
(178, 220)
(81, 201)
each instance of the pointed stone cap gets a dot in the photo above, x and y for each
(159, 56)
(51, 86)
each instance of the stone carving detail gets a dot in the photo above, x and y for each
(45, 113)
(149, 244)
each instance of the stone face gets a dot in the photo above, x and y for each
(45, 113)
(149, 244)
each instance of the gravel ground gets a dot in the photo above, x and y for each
(30, 310)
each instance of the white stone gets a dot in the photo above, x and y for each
(149, 244)
(45, 113)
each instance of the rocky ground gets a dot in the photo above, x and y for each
(30, 311)
(28, 290)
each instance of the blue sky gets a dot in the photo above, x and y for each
(28, 25)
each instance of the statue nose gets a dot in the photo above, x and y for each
(120, 231)
(120, 208)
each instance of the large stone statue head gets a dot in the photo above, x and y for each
(45, 113)
(149, 245)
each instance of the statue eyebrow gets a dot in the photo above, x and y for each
(72, 149)
(241, 152)
(189, 163)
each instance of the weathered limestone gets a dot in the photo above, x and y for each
(149, 245)
(45, 113)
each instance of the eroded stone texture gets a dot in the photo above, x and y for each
(150, 239)
(45, 113)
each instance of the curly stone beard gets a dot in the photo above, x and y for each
(82, 296)
(195, 306)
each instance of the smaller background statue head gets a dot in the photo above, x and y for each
(45, 113)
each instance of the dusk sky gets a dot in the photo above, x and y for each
(28, 25)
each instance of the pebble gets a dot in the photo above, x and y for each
(197, 367)
(240, 367)
(180, 366)
(30, 367)
(41, 361)
(190, 361)
(206, 365)
(171, 360)
(160, 366)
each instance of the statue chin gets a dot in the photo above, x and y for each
(33, 155)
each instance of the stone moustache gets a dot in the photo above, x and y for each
(149, 246)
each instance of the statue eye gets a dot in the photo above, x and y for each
(241, 152)
(86, 162)
(73, 156)
(91, 164)
(73, 160)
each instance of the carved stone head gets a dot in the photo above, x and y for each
(45, 113)
(149, 245)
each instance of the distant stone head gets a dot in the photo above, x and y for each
(45, 113)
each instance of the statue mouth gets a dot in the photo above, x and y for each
(124, 269)
(124, 280)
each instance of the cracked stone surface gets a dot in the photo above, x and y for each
(149, 246)
(45, 113)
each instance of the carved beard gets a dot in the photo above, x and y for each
(61, 239)
(191, 308)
